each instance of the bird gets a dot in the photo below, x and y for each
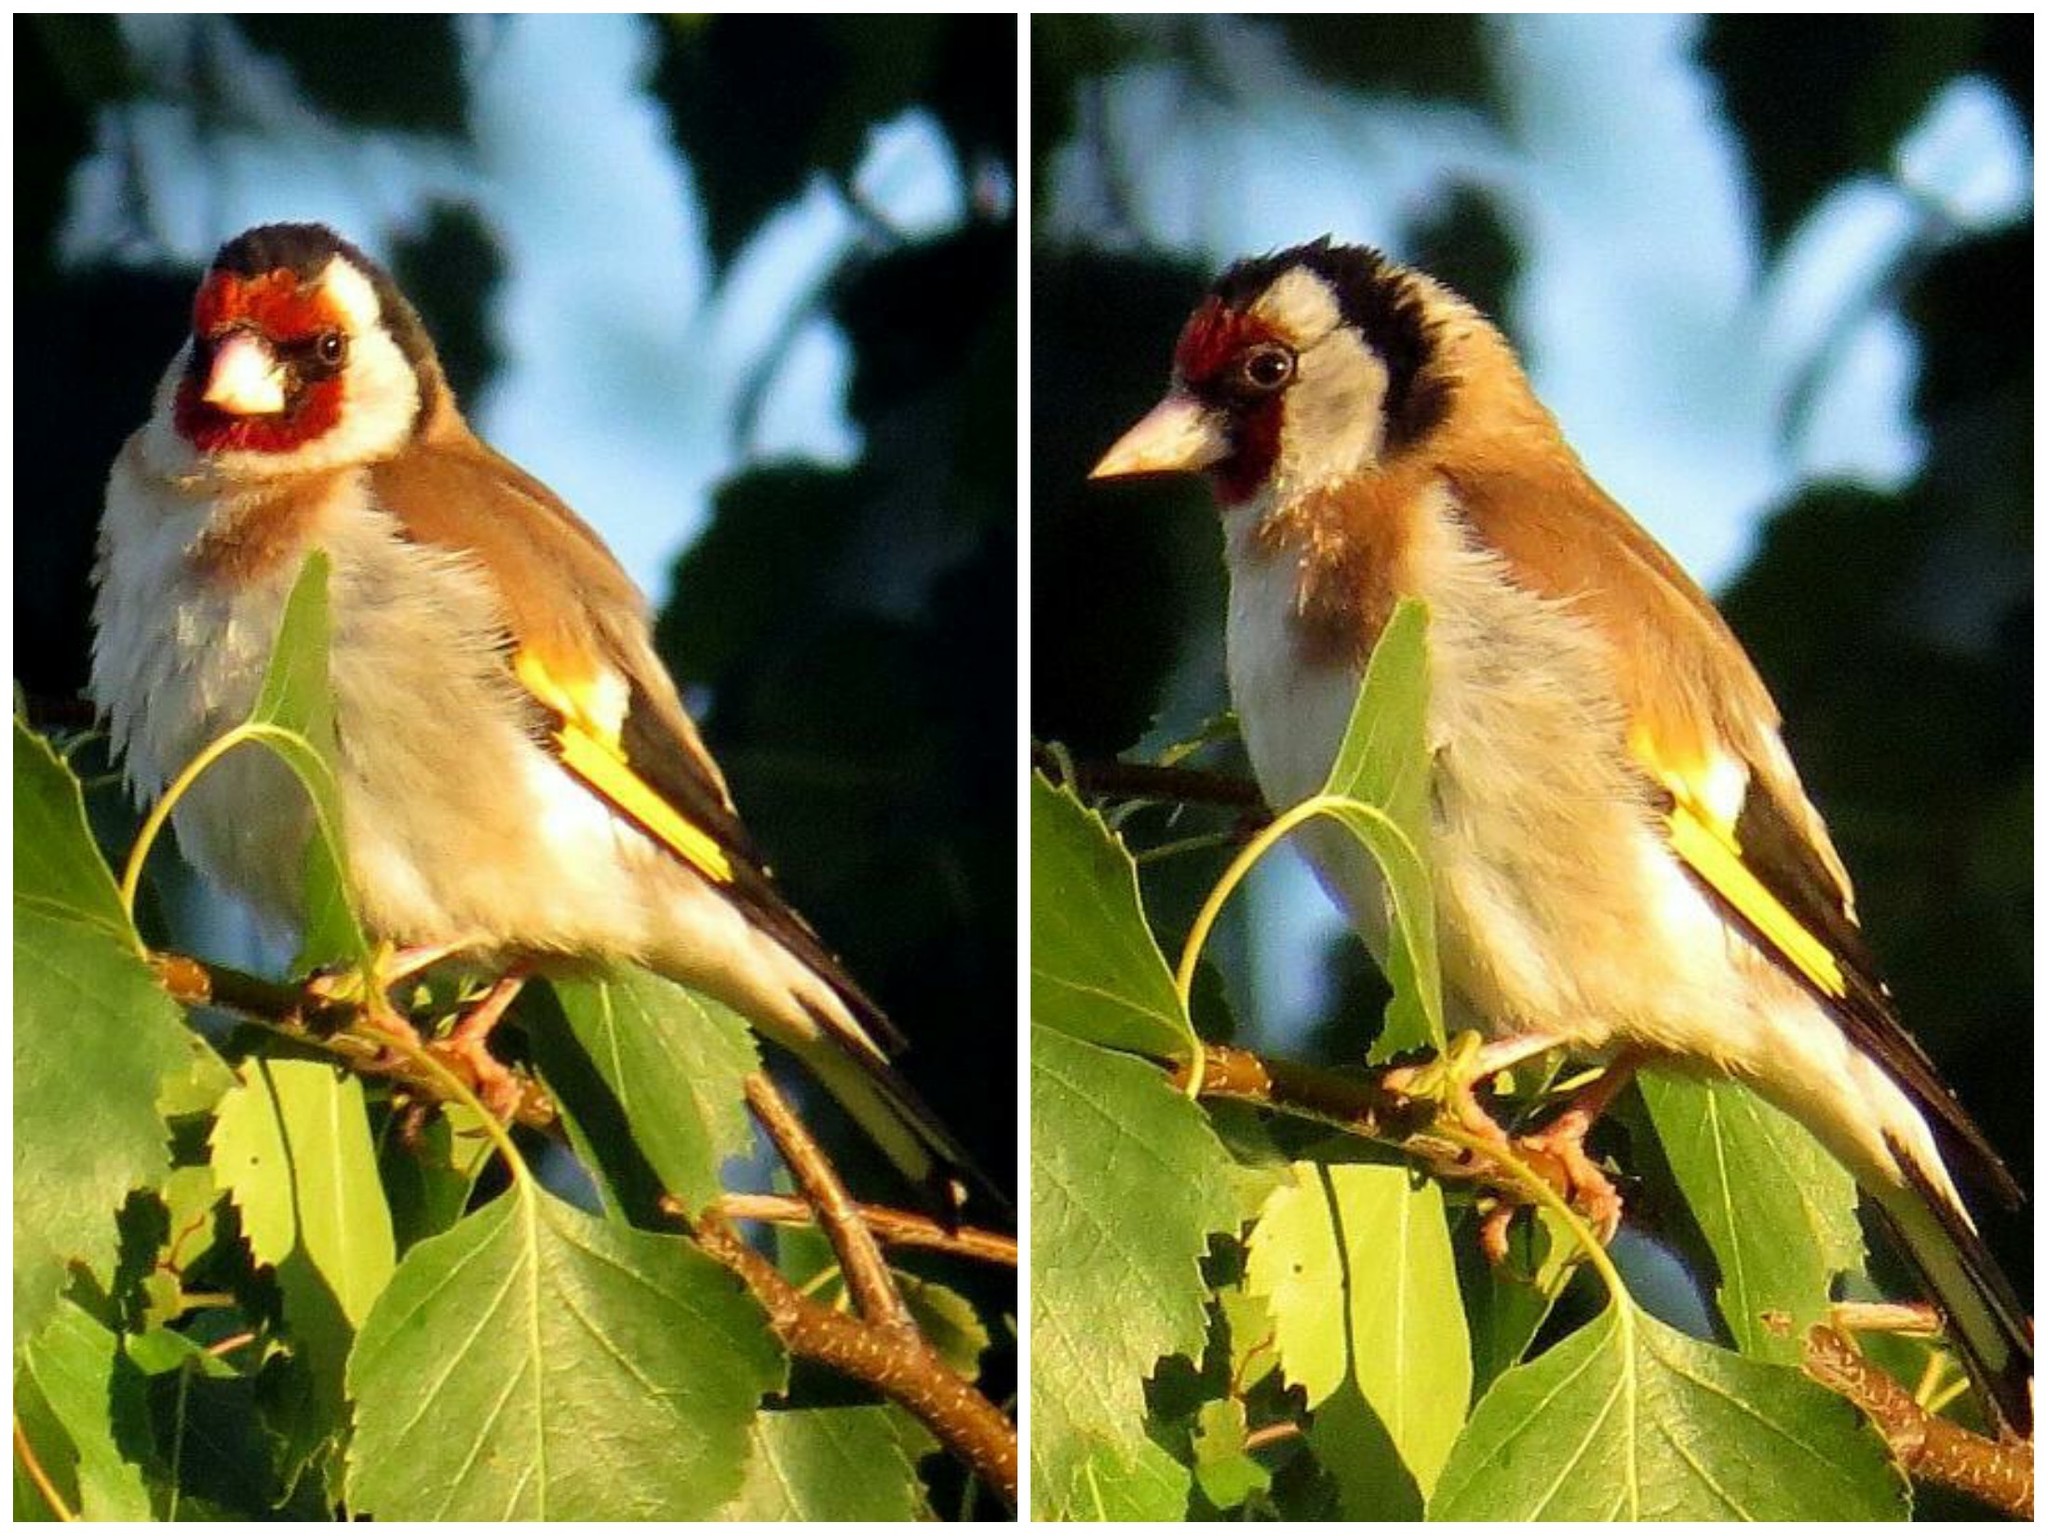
(520, 783)
(1625, 864)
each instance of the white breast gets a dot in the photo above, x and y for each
(441, 773)
(1539, 840)
(1293, 714)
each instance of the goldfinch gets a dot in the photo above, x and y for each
(1625, 863)
(519, 779)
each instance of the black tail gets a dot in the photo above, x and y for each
(1987, 1321)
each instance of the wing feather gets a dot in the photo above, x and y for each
(579, 646)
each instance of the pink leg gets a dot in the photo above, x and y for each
(468, 1046)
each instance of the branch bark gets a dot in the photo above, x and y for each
(882, 1345)
(343, 1029)
(892, 1227)
(1930, 1448)
(1147, 781)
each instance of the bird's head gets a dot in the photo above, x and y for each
(303, 355)
(1298, 369)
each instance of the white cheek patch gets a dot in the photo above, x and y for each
(353, 296)
(1335, 423)
(1300, 307)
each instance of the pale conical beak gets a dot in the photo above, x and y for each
(1179, 434)
(245, 379)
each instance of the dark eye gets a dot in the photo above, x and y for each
(330, 347)
(1265, 368)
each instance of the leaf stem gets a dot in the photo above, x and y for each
(1540, 1193)
(26, 1455)
(1233, 875)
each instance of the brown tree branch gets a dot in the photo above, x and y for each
(893, 1228)
(1147, 781)
(307, 1015)
(906, 1370)
(882, 1345)
(1358, 1102)
(1930, 1448)
(860, 1257)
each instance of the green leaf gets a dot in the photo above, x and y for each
(1295, 1262)
(1352, 1444)
(95, 1042)
(1410, 1355)
(1254, 1337)
(827, 1464)
(675, 1063)
(98, 1047)
(1628, 1419)
(535, 1363)
(1384, 763)
(1141, 1482)
(1127, 1184)
(76, 1364)
(1356, 1264)
(1778, 1212)
(947, 1320)
(294, 718)
(1506, 1304)
(1096, 971)
(292, 1149)
(1225, 1469)
(428, 1177)
(57, 867)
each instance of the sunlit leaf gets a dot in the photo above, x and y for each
(675, 1064)
(1096, 970)
(536, 1363)
(1384, 763)
(1778, 1212)
(1127, 1184)
(97, 1048)
(827, 1464)
(1628, 1419)
(76, 1364)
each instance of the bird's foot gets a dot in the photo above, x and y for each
(1556, 1154)
(466, 1050)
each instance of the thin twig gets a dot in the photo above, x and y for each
(860, 1256)
(905, 1369)
(309, 1016)
(1150, 781)
(893, 1228)
(1930, 1448)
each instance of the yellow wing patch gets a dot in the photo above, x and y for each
(589, 741)
(1703, 836)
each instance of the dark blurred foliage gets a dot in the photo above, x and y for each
(386, 71)
(1879, 75)
(1895, 630)
(761, 108)
(854, 630)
